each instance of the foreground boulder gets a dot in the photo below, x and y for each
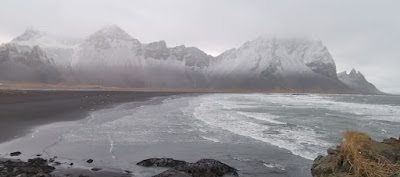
(161, 162)
(203, 167)
(359, 155)
(15, 153)
(34, 167)
(173, 173)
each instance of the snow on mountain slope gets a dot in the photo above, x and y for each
(273, 55)
(356, 81)
(33, 37)
(25, 63)
(317, 57)
(110, 46)
(273, 62)
(60, 49)
(111, 56)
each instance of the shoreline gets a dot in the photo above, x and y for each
(42, 86)
(22, 110)
(121, 134)
(121, 159)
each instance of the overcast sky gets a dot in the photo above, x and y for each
(359, 33)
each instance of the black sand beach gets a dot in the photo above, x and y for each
(22, 110)
(258, 134)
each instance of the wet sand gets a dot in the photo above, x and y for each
(118, 137)
(22, 110)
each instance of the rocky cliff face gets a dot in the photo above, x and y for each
(24, 63)
(301, 64)
(356, 81)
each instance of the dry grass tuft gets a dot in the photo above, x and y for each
(364, 161)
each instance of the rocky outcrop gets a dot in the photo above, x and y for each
(161, 162)
(357, 81)
(203, 167)
(33, 168)
(15, 153)
(40, 167)
(173, 173)
(359, 155)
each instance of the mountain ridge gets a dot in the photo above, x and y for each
(110, 56)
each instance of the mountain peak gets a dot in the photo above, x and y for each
(111, 29)
(353, 72)
(29, 34)
(357, 81)
(112, 32)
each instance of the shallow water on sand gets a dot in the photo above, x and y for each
(260, 134)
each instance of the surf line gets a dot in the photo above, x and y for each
(111, 145)
(33, 134)
(91, 119)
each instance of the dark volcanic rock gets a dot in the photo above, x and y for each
(324, 165)
(207, 167)
(34, 167)
(173, 173)
(127, 171)
(15, 153)
(203, 167)
(96, 169)
(40, 164)
(336, 163)
(161, 162)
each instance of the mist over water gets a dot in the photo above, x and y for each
(274, 134)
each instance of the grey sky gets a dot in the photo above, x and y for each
(359, 33)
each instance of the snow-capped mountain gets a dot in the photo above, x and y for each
(110, 46)
(61, 49)
(356, 81)
(271, 62)
(26, 63)
(111, 56)
(290, 55)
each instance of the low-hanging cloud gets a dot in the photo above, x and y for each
(361, 34)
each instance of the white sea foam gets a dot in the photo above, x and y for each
(215, 140)
(262, 116)
(275, 165)
(34, 133)
(370, 111)
(111, 146)
(234, 113)
(300, 140)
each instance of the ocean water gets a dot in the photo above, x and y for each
(259, 134)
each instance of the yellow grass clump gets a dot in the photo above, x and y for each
(364, 161)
